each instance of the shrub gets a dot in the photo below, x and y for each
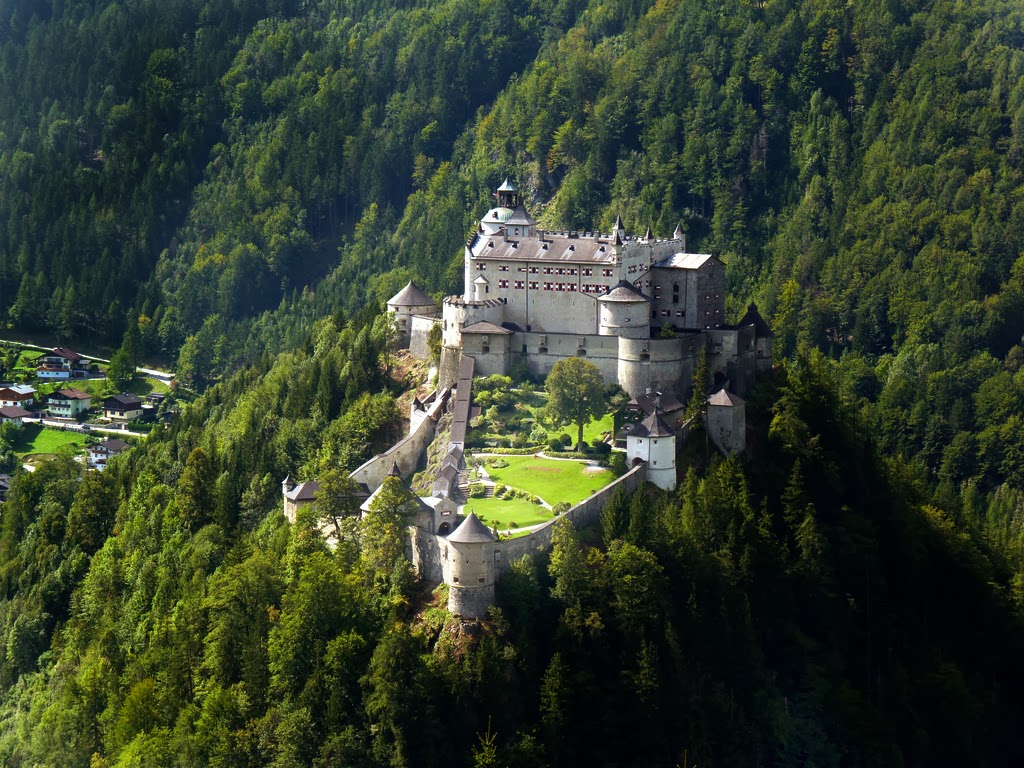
(555, 443)
(499, 488)
(565, 438)
(617, 462)
(477, 490)
(602, 447)
(561, 507)
(497, 464)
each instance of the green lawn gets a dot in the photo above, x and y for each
(34, 439)
(501, 514)
(551, 479)
(595, 430)
(27, 358)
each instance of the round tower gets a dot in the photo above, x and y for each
(471, 573)
(408, 302)
(653, 441)
(625, 312)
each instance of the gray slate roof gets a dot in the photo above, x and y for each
(624, 292)
(653, 426)
(685, 261)
(485, 327)
(520, 217)
(411, 296)
(725, 399)
(472, 531)
(554, 247)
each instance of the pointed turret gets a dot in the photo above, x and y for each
(472, 531)
(679, 234)
(648, 235)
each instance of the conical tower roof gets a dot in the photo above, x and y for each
(654, 425)
(410, 296)
(507, 186)
(648, 235)
(618, 223)
(679, 234)
(472, 531)
(753, 317)
(624, 292)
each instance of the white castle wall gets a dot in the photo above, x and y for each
(406, 452)
(434, 556)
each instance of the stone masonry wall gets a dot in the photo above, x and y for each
(406, 452)
(419, 330)
(431, 554)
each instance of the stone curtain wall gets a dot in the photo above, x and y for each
(420, 326)
(406, 452)
(428, 548)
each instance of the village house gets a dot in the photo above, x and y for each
(13, 414)
(123, 407)
(68, 403)
(62, 364)
(17, 394)
(101, 453)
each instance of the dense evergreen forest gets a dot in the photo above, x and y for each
(248, 180)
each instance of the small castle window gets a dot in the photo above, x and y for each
(480, 580)
(455, 579)
(485, 349)
(542, 350)
(581, 353)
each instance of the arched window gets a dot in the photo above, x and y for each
(675, 293)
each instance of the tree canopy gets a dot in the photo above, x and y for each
(575, 390)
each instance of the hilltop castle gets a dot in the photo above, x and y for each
(639, 308)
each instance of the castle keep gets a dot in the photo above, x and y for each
(639, 308)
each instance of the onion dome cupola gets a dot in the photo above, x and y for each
(507, 199)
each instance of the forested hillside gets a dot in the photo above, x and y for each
(806, 606)
(252, 178)
(856, 165)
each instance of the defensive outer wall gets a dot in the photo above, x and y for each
(471, 575)
(406, 453)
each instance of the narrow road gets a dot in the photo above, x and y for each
(164, 376)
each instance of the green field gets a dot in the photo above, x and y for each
(501, 514)
(553, 480)
(34, 439)
(595, 430)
